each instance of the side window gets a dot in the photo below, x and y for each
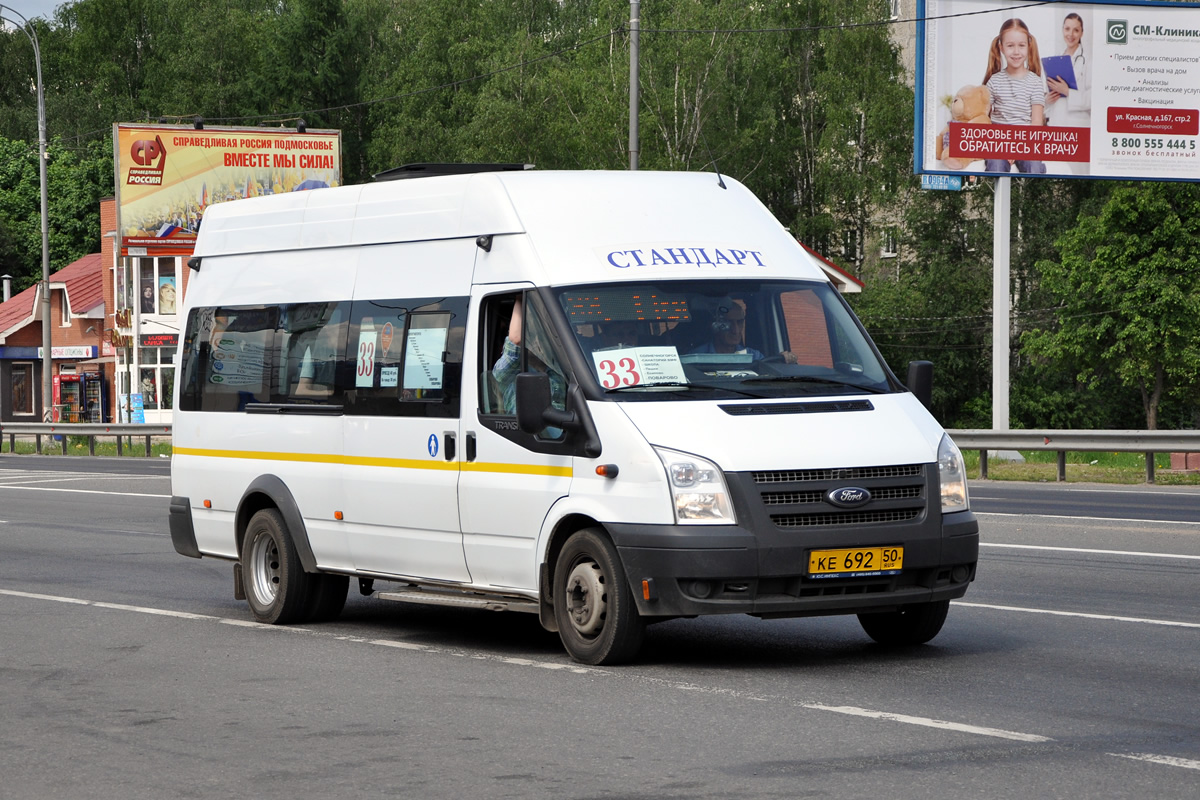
(497, 383)
(509, 317)
(228, 354)
(404, 357)
(311, 339)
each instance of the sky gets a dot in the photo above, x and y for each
(33, 8)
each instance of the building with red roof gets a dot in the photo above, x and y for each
(77, 317)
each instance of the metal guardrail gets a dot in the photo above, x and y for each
(91, 430)
(1062, 441)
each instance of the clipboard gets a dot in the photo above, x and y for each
(1060, 67)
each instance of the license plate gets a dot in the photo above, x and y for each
(859, 562)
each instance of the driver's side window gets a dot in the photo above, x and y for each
(517, 339)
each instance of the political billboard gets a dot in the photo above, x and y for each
(166, 175)
(1099, 90)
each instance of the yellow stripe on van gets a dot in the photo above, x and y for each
(392, 463)
(518, 469)
(258, 455)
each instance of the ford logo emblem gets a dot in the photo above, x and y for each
(848, 496)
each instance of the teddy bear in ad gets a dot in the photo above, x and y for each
(970, 104)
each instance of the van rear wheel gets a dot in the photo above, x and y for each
(274, 580)
(914, 624)
(597, 619)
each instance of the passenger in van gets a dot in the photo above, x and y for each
(509, 364)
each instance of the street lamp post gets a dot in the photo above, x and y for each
(47, 362)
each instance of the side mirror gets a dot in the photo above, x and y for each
(920, 381)
(533, 399)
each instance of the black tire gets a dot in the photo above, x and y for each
(276, 586)
(326, 597)
(915, 624)
(598, 621)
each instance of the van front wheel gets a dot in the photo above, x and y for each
(275, 582)
(913, 624)
(597, 619)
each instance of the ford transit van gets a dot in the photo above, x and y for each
(605, 398)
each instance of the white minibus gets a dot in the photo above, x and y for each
(605, 398)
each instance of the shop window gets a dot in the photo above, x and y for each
(157, 287)
(148, 386)
(167, 386)
(22, 388)
(167, 288)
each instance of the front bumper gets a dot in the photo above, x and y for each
(690, 570)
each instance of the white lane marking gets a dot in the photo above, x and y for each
(1064, 490)
(1089, 519)
(930, 723)
(1170, 761)
(81, 491)
(1105, 617)
(51, 597)
(1094, 552)
(58, 477)
(528, 662)
(246, 623)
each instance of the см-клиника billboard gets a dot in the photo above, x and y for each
(1102, 90)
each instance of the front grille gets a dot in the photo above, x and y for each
(795, 498)
(790, 498)
(799, 498)
(844, 518)
(846, 474)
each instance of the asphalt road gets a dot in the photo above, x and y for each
(126, 671)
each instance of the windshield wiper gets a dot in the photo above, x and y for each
(663, 385)
(682, 386)
(812, 379)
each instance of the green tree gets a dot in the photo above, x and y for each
(938, 308)
(1128, 284)
(76, 180)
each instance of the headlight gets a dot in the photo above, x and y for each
(697, 489)
(952, 474)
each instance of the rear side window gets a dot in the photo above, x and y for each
(227, 358)
(372, 357)
(404, 357)
(311, 338)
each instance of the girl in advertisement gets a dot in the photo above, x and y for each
(1014, 77)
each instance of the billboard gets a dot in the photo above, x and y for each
(1100, 90)
(166, 175)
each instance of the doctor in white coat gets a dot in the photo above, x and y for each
(1067, 107)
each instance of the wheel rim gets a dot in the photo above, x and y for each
(264, 569)
(587, 602)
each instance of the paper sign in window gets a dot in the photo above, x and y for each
(631, 366)
(364, 363)
(423, 358)
(237, 359)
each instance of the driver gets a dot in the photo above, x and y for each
(729, 333)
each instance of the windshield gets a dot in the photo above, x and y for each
(721, 338)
